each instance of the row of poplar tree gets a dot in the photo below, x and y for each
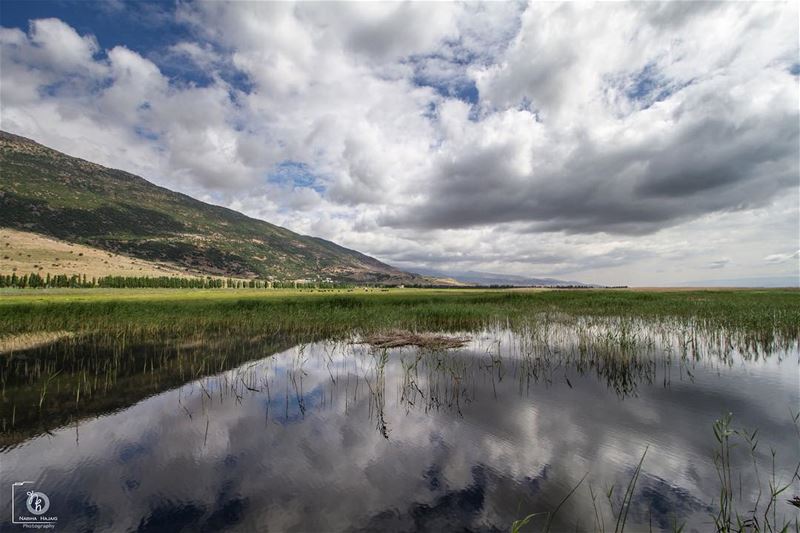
(35, 280)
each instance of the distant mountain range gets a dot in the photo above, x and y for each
(487, 278)
(765, 282)
(51, 193)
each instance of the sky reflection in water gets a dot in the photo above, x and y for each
(339, 436)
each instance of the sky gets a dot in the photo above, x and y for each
(636, 143)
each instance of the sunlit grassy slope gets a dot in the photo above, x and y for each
(24, 252)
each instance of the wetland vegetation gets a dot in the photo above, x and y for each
(762, 316)
(478, 410)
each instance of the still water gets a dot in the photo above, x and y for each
(342, 436)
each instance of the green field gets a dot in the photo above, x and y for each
(759, 313)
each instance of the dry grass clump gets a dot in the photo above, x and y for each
(27, 341)
(398, 338)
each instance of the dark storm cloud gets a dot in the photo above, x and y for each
(719, 162)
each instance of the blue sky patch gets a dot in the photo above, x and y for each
(463, 89)
(145, 133)
(648, 86)
(446, 74)
(144, 26)
(295, 174)
(147, 27)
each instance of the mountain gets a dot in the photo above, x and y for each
(488, 278)
(764, 282)
(50, 193)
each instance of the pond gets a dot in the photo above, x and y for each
(278, 434)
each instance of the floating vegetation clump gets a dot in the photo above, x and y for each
(397, 339)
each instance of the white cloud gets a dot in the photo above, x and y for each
(781, 258)
(56, 45)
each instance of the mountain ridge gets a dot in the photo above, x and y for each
(490, 278)
(58, 195)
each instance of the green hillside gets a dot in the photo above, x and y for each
(48, 192)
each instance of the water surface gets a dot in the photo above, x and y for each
(340, 436)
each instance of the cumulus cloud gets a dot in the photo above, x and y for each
(530, 139)
(58, 46)
(566, 156)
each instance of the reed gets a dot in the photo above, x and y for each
(735, 513)
(756, 320)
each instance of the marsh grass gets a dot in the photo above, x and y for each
(732, 513)
(97, 355)
(742, 513)
(757, 320)
(56, 385)
(102, 354)
(620, 514)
